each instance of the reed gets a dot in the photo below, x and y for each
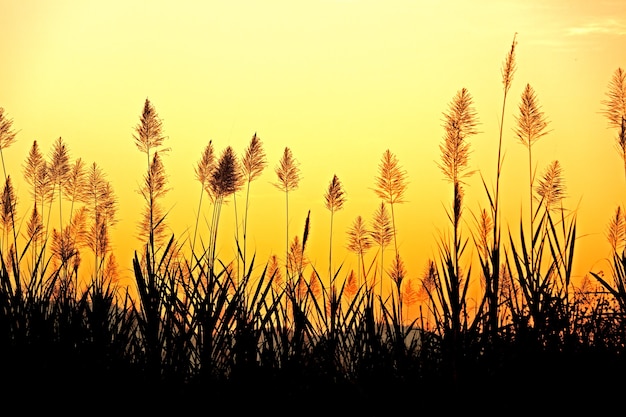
(334, 199)
(253, 164)
(288, 174)
(460, 121)
(225, 181)
(391, 184)
(382, 234)
(490, 255)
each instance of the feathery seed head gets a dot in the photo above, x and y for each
(148, 132)
(9, 205)
(350, 288)
(335, 196)
(254, 160)
(205, 164)
(509, 66)
(391, 180)
(226, 177)
(615, 104)
(531, 121)
(617, 231)
(155, 180)
(288, 172)
(382, 230)
(397, 272)
(59, 168)
(7, 135)
(551, 188)
(460, 122)
(359, 240)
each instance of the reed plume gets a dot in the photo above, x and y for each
(334, 199)
(351, 286)
(616, 234)
(288, 173)
(253, 163)
(615, 110)
(32, 169)
(551, 187)
(7, 136)
(149, 131)
(276, 276)
(225, 180)
(359, 242)
(391, 184)
(8, 210)
(460, 122)
(615, 103)
(152, 227)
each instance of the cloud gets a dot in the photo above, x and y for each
(606, 27)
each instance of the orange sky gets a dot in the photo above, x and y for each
(337, 81)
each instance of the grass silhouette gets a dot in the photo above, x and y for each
(203, 331)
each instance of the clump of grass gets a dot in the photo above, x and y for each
(197, 320)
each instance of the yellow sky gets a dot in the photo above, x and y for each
(338, 82)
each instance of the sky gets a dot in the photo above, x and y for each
(339, 82)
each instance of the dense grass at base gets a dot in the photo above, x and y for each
(55, 361)
(199, 334)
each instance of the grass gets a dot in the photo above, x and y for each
(260, 334)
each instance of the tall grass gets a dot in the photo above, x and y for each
(288, 174)
(334, 199)
(199, 326)
(491, 223)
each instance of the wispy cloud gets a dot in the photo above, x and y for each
(604, 27)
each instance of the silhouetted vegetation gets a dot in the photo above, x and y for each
(204, 331)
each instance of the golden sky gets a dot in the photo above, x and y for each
(337, 81)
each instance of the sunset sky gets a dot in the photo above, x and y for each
(338, 82)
